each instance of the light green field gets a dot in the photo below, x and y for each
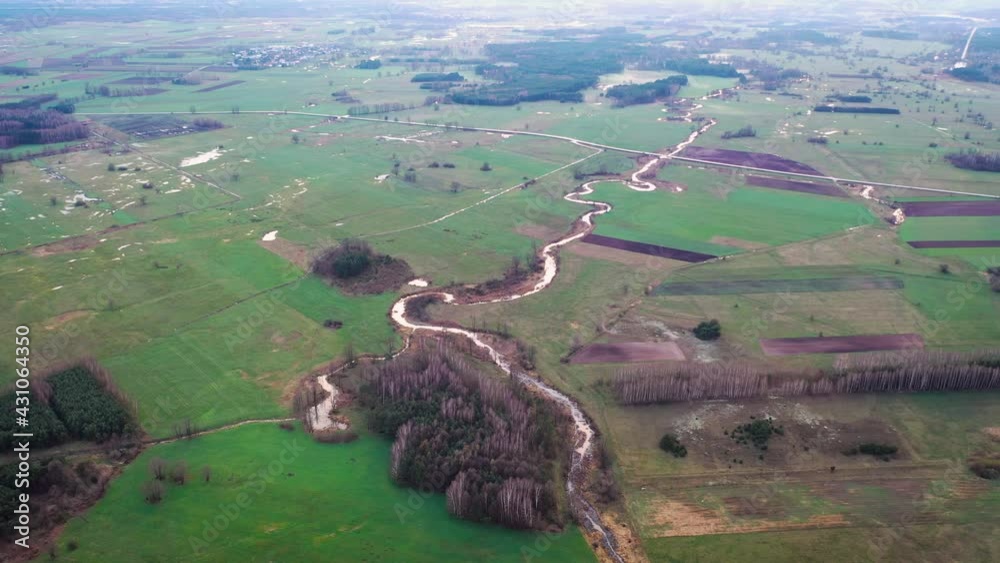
(714, 207)
(950, 228)
(301, 501)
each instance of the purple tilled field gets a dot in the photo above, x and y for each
(626, 352)
(755, 159)
(840, 344)
(977, 208)
(954, 243)
(220, 86)
(646, 248)
(794, 186)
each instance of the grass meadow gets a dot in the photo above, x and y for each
(279, 495)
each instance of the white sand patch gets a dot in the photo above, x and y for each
(270, 236)
(419, 282)
(171, 191)
(202, 158)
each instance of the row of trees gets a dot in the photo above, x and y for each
(366, 109)
(972, 159)
(484, 442)
(38, 127)
(875, 373)
(746, 131)
(108, 92)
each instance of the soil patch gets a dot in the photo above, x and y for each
(294, 253)
(951, 208)
(840, 344)
(59, 320)
(649, 249)
(142, 80)
(795, 186)
(954, 243)
(71, 244)
(739, 287)
(219, 86)
(755, 159)
(737, 243)
(627, 352)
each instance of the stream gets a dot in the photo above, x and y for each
(584, 439)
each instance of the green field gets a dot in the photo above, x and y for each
(163, 274)
(714, 207)
(278, 495)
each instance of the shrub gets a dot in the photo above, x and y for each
(158, 468)
(670, 444)
(335, 436)
(757, 433)
(153, 491)
(708, 330)
(349, 259)
(178, 473)
(994, 276)
(872, 449)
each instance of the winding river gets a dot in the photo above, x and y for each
(584, 439)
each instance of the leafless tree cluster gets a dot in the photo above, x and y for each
(864, 373)
(482, 440)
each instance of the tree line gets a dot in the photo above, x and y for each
(972, 159)
(38, 127)
(874, 373)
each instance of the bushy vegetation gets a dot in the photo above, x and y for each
(975, 160)
(845, 109)
(757, 432)
(631, 94)
(994, 276)
(746, 131)
(437, 77)
(970, 74)
(488, 444)
(355, 266)
(206, 123)
(873, 449)
(58, 488)
(874, 373)
(852, 99)
(370, 64)
(986, 467)
(670, 444)
(708, 330)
